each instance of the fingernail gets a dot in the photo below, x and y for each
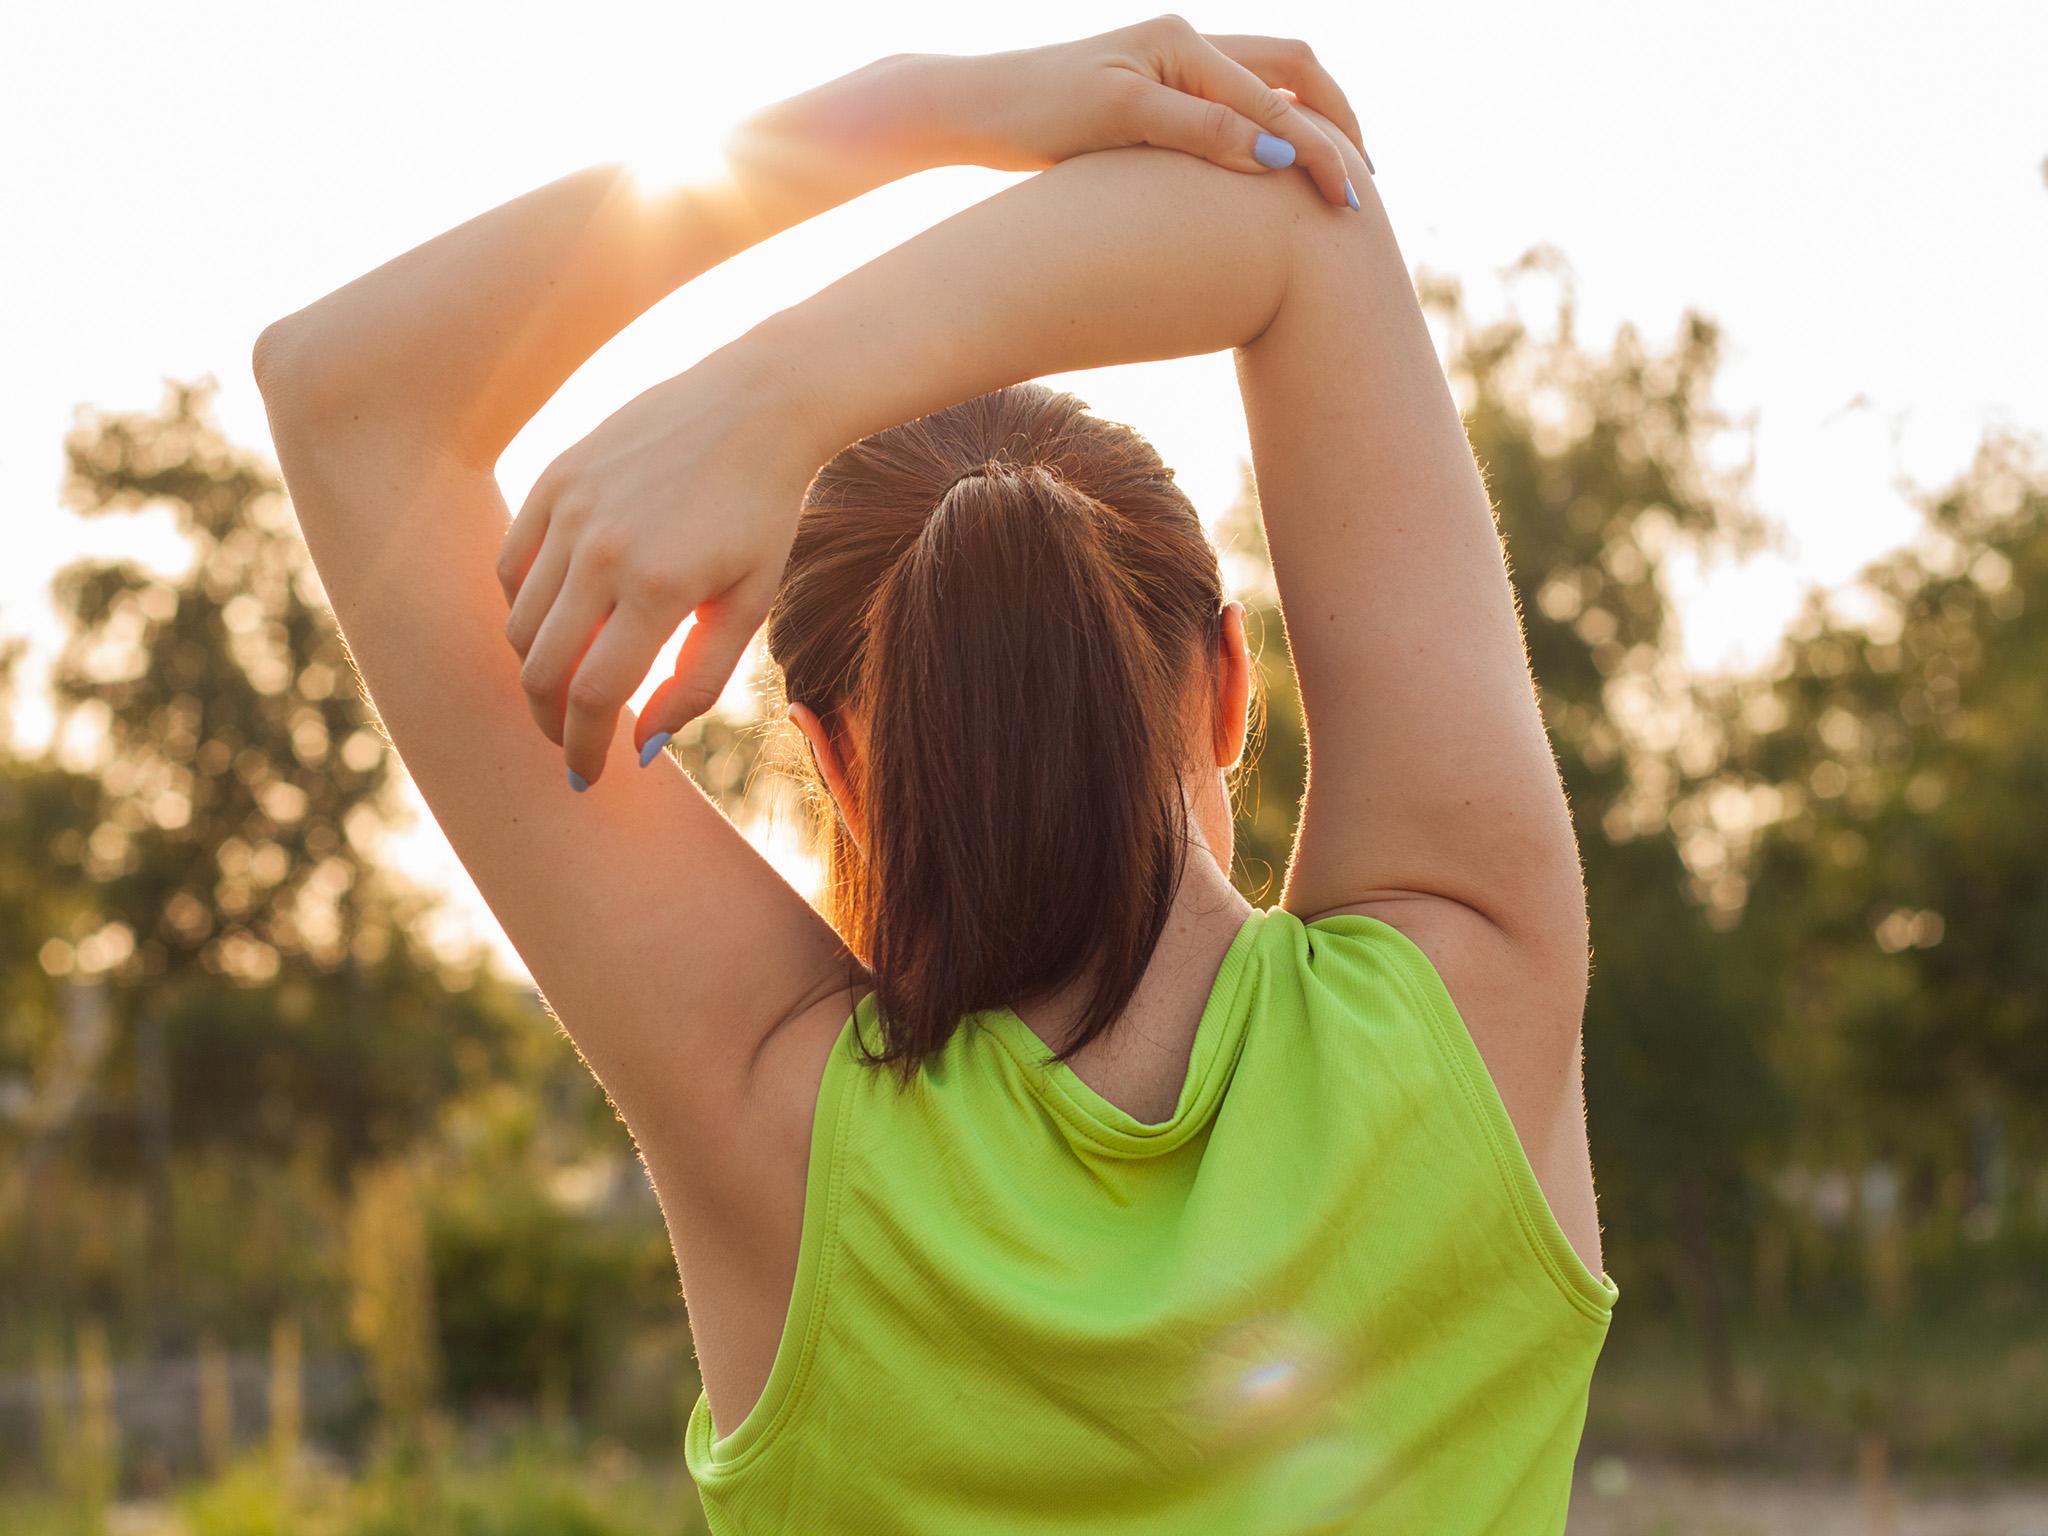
(577, 782)
(654, 745)
(1350, 194)
(1368, 160)
(1273, 152)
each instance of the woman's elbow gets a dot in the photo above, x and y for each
(296, 380)
(278, 363)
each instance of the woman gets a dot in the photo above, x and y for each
(1049, 1185)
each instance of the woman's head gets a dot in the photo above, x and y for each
(1003, 629)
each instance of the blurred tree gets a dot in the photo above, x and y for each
(244, 776)
(264, 978)
(42, 808)
(44, 907)
(1887, 789)
(54, 1034)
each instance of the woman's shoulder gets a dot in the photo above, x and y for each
(1502, 1019)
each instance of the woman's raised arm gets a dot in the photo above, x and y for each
(663, 941)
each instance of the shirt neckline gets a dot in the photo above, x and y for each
(1219, 1036)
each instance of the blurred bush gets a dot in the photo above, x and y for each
(535, 1303)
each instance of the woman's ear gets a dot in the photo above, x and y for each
(831, 768)
(1233, 687)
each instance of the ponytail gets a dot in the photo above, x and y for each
(1012, 595)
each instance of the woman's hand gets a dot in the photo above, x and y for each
(684, 500)
(1159, 82)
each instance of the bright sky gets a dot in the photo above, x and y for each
(1854, 191)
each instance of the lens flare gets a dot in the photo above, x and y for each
(682, 154)
(1271, 1388)
(1268, 1375)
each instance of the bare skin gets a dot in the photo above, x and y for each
(703, 990)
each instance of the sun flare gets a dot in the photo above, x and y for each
(677, 155)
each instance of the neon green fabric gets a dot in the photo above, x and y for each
(1327, 1295)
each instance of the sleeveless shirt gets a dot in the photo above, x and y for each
(1326, 1295)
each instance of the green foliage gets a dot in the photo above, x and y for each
(1958, 1395)
(534, 1301)
(52, 1046)
(1900, 894)
(42, 810)
(197, 951)
(391, 1297)
(244, 775)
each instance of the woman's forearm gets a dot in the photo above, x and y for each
(464, 337)
(1122, 256)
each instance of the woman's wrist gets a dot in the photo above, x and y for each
(828, 145)
(922, 110)
(781, 373)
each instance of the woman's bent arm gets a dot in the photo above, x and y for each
(1434, 801)
(657, 933)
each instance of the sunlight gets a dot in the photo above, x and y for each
(672, 154)
(782, 836)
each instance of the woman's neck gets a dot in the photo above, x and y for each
(1140, 1062)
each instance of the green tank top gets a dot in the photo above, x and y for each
(1327, 1295)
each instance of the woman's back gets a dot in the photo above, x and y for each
(1325, 1290)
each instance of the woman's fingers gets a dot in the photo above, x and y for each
(536, 591)
(710, 653)
(1208, 130)
(524, 539)
(1290, 63)
(590, 630)
(610, 670)
(1200, 69)
(565, 634)
(591, 654)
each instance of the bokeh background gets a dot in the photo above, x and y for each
(310, 1220)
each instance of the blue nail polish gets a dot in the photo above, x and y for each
(577, 782)
(1273, 152)
(654, 745)
(1350, 194)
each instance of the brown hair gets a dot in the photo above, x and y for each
(1012, 595)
